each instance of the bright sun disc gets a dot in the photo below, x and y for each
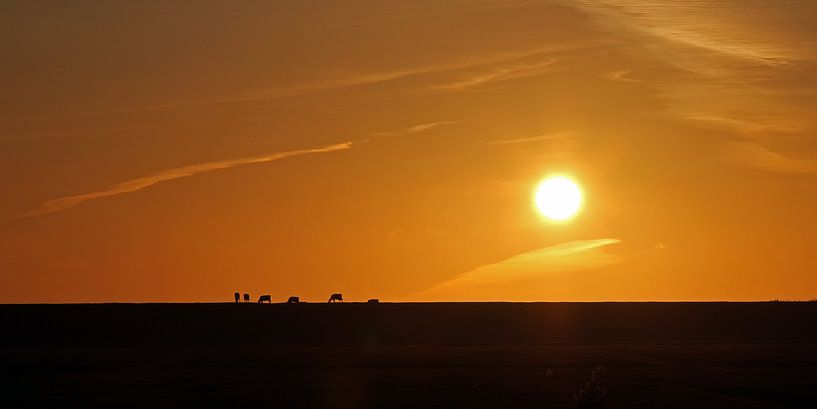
(558, 198)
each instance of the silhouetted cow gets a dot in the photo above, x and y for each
(237, 297)
(293, 300)
(266, 298)
(336, 298)
(246, 297)
(373, 301)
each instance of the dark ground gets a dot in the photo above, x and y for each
(457, 355)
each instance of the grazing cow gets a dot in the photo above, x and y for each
(246, 297)
(237, 297)
(266, 298)
(293, 300)
(373, 301)
(336, 298)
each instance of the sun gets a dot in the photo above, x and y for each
(558, 198)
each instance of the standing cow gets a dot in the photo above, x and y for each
(246, 297)
(237, 297)
(293, 300)
(266, 298)
(336, 298)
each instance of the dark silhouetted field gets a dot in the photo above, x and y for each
(447, 355)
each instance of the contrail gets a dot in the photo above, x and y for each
(137, 184)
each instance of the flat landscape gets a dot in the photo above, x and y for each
(468, 158)
(428, 355)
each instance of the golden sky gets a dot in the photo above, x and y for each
(161, 151)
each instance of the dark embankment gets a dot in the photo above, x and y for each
(354, 324)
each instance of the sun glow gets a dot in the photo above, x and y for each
(558, 198)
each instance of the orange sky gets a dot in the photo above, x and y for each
(154, 151)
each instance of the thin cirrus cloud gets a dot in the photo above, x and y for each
(755, 155)
(621, 76)
(540, 138)
(495, 66)
(734, 68)
(516, 273)
(494, 74)
(726, 27)
(413, 129)
(133, 185)
(140, 183)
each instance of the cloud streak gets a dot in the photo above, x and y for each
(493, 74)
(727, 27)
(570, 257)
(484, 62)
(133, 185)
(540, 138)
(140, 183)
(413, 129)
(725, 66)
(754, 155)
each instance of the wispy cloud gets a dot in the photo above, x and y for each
(540, 138)
(412, 129)
(493, 74)
(498, 66)
(754, 155)
(571, 257)
(620, 76)
(727, 27)
(140, 183)
(725, 67)
(494, 65)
